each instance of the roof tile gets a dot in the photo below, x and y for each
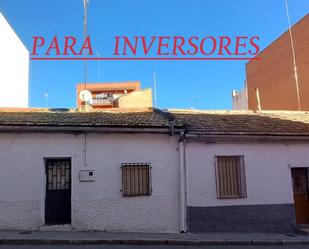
(195, 122)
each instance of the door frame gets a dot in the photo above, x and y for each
(45, 188)
(298, 166)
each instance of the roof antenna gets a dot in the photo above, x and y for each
(293, 54)
(258, 99)
(99, 68)
(198, 102)
(85, 95)
(155, 89)
(85, 36)
(46, 99)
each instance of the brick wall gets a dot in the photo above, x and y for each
(274, 74)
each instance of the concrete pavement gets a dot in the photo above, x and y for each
(97, 238)
(147, 247)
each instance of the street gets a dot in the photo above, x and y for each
(144, 247)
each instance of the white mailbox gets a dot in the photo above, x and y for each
(86, 175)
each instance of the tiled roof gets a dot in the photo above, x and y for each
(90, 119)
(243, 122)
(194, 122)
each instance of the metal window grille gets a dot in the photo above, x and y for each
(230, 177)
(136, 179)
(58, 174)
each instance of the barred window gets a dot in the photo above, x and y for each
(230, 177)
(136, 179)
(58, 173)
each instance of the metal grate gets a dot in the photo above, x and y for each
(136, 179)
(58, 174)
(230, 177)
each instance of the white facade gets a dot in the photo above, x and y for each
(14, 68)
(268, 205)
(268, 172)
(97, 205)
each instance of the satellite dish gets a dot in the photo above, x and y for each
(85, 96)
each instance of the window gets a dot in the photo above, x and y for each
(58, 173)
(230, 177)
(136, 179)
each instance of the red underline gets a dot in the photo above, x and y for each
(143, 58)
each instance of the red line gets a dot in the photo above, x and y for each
(142, 58)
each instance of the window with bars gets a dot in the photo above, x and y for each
(230, 177)
(58, 174)
(136, 179)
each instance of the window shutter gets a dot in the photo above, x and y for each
(230, 177)
(136, 179)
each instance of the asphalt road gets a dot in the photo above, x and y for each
(145, 247)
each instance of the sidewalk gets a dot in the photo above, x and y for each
(72, 237)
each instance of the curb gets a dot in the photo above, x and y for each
(150, 242)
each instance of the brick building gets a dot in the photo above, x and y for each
(116, 95)
(273, 74)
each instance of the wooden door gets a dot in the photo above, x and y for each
(301, 195)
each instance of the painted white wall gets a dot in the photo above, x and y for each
(14, 68)
(298, 155)
(96, 205)
(99, 205)
(103, 198)
(268, 174)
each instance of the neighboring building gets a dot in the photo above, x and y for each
(240, 99)
(273, 74)
(154, 171)
(14, 67)
(239, 167)
(57, 179)
(116, 95)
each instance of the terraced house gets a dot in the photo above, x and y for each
(151, 170)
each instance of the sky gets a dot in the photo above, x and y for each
(180, 84)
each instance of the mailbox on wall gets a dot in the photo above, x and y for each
(86, 175)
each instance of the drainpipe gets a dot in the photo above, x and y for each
(182, 185)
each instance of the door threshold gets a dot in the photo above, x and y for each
(304, 225)
(64, 228)
(303, 228)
